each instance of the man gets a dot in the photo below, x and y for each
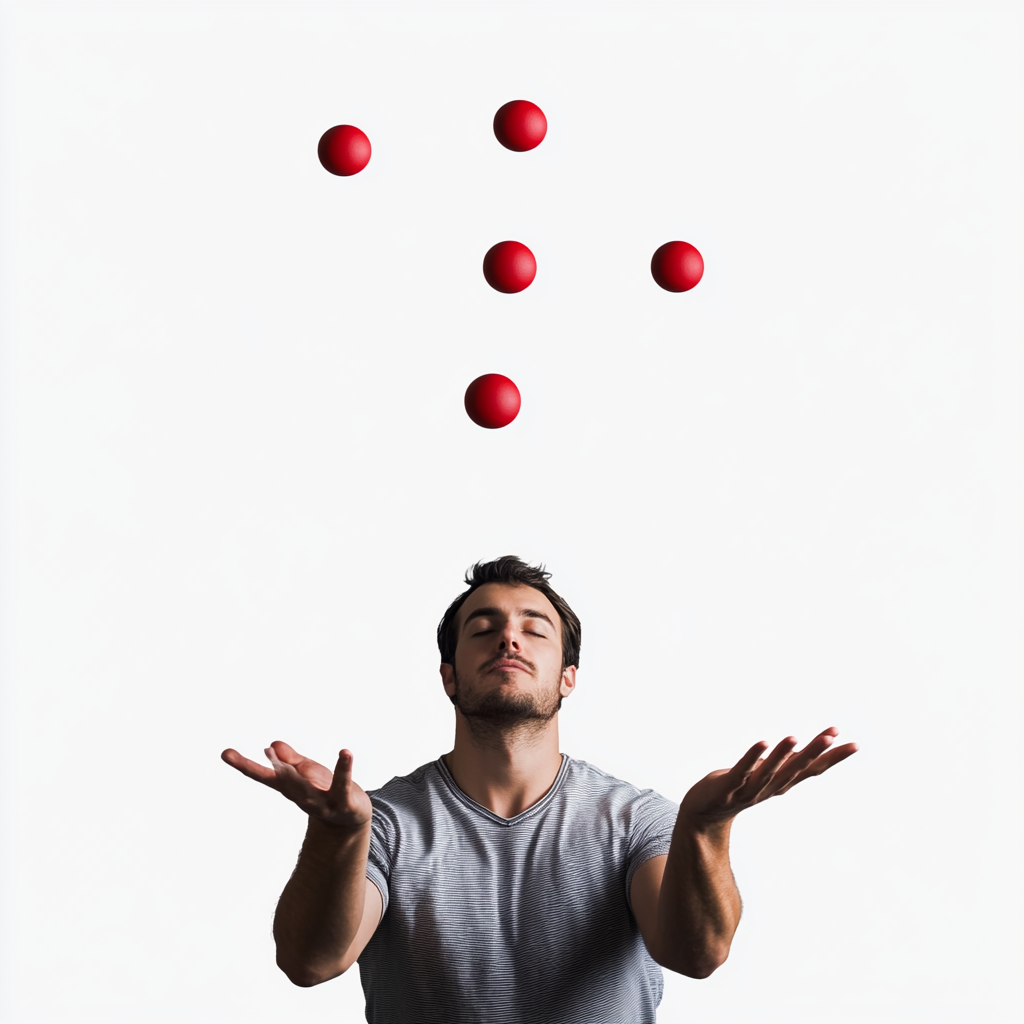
(506, 882)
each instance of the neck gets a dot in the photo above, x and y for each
(505, 771)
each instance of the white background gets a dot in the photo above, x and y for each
(239, 487)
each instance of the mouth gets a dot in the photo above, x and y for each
(508, 665)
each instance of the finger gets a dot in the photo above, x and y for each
(342, 772)
(833, 757)
(741, 770)
(280, 767)
(822, 764)
(282, 770)
(287, 753)
(292, 783)
(802, 758)
(249, 768)
(838, 754)
(759, 779)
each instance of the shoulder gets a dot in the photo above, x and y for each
(406, 787)
(405, 799)
(585, 779)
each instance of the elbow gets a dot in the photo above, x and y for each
(703, 969)
(303, 977)
(699, 967)
(301, 980)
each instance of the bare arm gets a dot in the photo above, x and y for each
(321, 908)
(699, 904)
(687, 905)
(329, 909)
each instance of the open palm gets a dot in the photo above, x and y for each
(333, 797)
(721, 795)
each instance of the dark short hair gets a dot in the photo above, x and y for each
(515, 572)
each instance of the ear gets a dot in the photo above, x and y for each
(568, 680)
(448, 679)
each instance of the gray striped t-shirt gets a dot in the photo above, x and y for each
(523, 920)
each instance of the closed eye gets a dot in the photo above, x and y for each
(531, 632)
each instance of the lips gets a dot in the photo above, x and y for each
(506, 665)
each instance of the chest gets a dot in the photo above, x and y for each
(565, 861)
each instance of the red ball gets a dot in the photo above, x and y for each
(344, 150)
(492, 401)
(509, 267)
(677, 266)
(520, 125)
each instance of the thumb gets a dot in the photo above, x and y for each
(343, 770)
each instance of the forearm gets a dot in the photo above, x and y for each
(321, 907)
(699, 905)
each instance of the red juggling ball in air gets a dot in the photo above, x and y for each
(520, 125)
(492, 401)
(509, 267)
(677, 266)
(344, 150)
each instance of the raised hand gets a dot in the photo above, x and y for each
(333, 798)
(721, 795)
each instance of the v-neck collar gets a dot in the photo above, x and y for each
(486, 811)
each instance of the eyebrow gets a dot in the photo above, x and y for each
(530, 613)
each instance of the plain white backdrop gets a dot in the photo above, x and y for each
(239, 487)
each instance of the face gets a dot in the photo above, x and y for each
(508, 657)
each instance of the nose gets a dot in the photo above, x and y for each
(509, 639)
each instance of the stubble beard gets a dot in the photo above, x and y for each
(498, 711)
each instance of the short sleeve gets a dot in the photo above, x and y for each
(383, 839)
(654, 818)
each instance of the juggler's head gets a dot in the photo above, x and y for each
(510, 647)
